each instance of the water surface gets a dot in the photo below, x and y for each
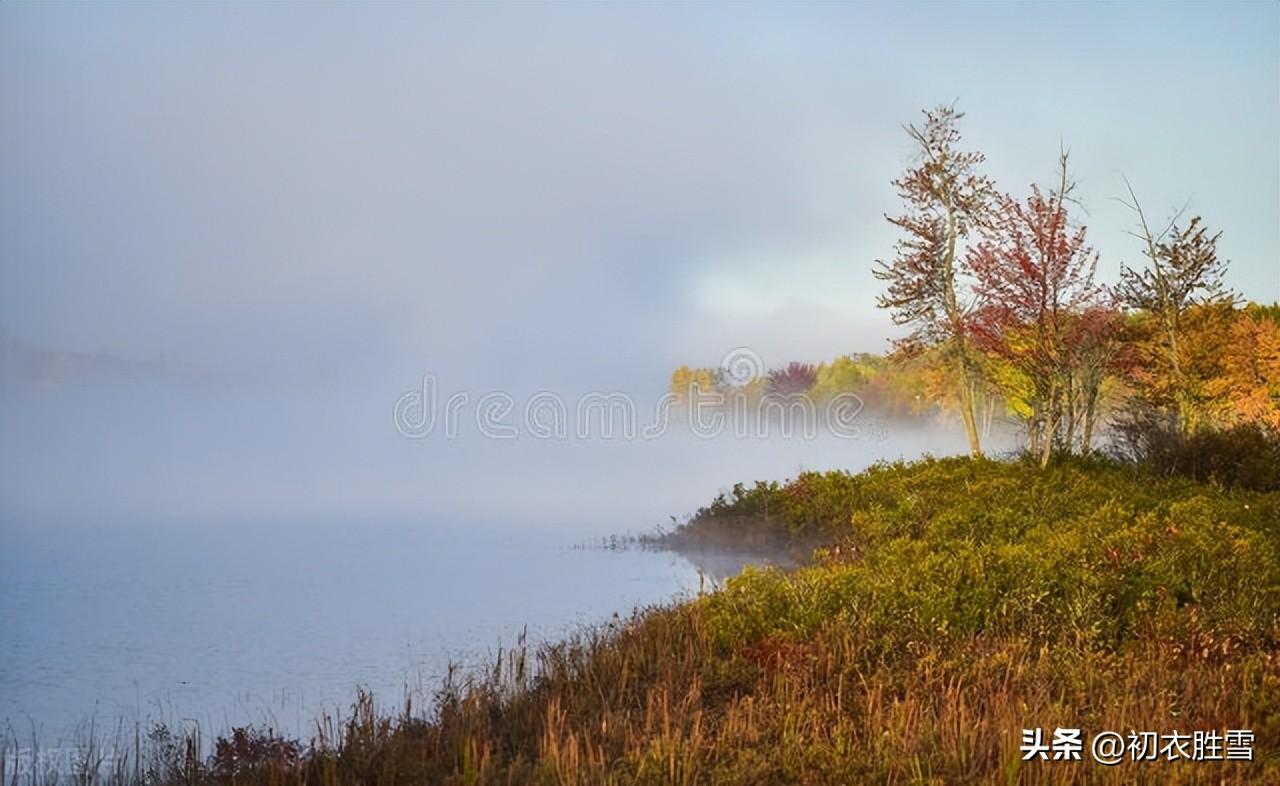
(273, 624)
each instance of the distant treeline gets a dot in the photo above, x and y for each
(899, 387)
(1229, 375)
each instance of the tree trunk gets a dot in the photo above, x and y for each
(1046, 440)
(1052, 415)
(966, 409)
(1086, 438)
(1069, 413)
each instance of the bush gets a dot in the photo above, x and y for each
(250, 748)
(1246, 455)
(1086, 552)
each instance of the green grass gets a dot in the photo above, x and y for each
(956, 603)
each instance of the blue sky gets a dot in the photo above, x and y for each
(309, 206)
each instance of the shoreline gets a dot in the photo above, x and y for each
(1155, 606)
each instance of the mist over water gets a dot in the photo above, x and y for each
(99, 451)
(275, 611)
(178, 548)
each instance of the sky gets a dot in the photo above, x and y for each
(232, 235)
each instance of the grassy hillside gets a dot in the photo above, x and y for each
(958, 603)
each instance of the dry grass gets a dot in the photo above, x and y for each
(658, 702)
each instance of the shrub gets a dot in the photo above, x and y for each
(249, 748)
(1247, 455)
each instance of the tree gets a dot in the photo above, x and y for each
(795, 379)
(685, 380)
(1183, 270)
(1098, 355)
(1034, 274)
(944, 198)
(1247, 388)
(845, 374)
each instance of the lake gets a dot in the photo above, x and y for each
(236, 624)
(208, 614)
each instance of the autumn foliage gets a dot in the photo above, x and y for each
(1006, 319)
(1167, 344)
(1042, 314)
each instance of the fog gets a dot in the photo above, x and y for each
(232, 237)
(171, 453)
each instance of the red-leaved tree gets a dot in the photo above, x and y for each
(795, 379)
(1035, 275)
